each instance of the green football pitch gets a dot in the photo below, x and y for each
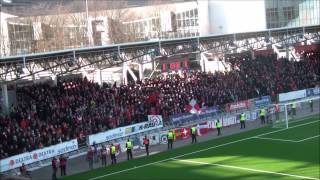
(263, 153)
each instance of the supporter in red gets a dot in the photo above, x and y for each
(103, 156)
(63, 165)
(79, 107)
(23, 169)
(90, 157)
(54, 168)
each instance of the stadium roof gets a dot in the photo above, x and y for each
(45, 7)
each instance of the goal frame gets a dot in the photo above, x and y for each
(287, 103)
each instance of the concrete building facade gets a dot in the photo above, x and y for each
(45, 33)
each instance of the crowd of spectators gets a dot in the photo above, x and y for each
(47, 114)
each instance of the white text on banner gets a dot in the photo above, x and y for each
(38, 155)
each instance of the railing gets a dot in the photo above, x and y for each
(255, 104)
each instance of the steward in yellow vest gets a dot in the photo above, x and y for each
(129, 149)
(194, 134)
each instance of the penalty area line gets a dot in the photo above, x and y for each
(274, 139)
(198, 151)
(302, 140)
(246, 169)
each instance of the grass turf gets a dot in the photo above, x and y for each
(224, 161)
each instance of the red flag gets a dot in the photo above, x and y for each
(182, 133)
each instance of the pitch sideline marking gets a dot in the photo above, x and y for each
(201, 150)
(247, 169)
(273, 139)
(302, 140)
(288, 140)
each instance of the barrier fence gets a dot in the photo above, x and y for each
(155, 128)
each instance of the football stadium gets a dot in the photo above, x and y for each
(159, 89)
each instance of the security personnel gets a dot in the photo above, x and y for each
(293, 107)
(242, 120)
(113, 154)
(311, 105)
(194, 135)
(218, 126)
(146, 144)
(262, 116)
(129, 149)
(170, 137)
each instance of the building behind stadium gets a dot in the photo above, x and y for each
(29, 26)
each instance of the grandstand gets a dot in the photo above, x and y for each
(67, 102)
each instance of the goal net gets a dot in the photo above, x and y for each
(285, 113)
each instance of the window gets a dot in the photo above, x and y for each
(187, 22)
(196, 13)
(272, 17)
(192, 22)
(178, 16)
(288, 13)
(191, 14)
(179, 23)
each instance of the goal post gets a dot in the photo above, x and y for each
(285, 113)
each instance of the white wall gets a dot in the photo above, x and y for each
(236, 16)
(203, 14)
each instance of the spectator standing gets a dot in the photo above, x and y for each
(23, 170)
(63, 164)
(54, 168)
(103, 154)
(95, 152)
(90, 157)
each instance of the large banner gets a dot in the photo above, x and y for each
(293, 95)
(183, 118)
(262, 101)
(238, 105)
(155, 122)
(188, 117)
(38, 155)
(313, 91)
(229, 120)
